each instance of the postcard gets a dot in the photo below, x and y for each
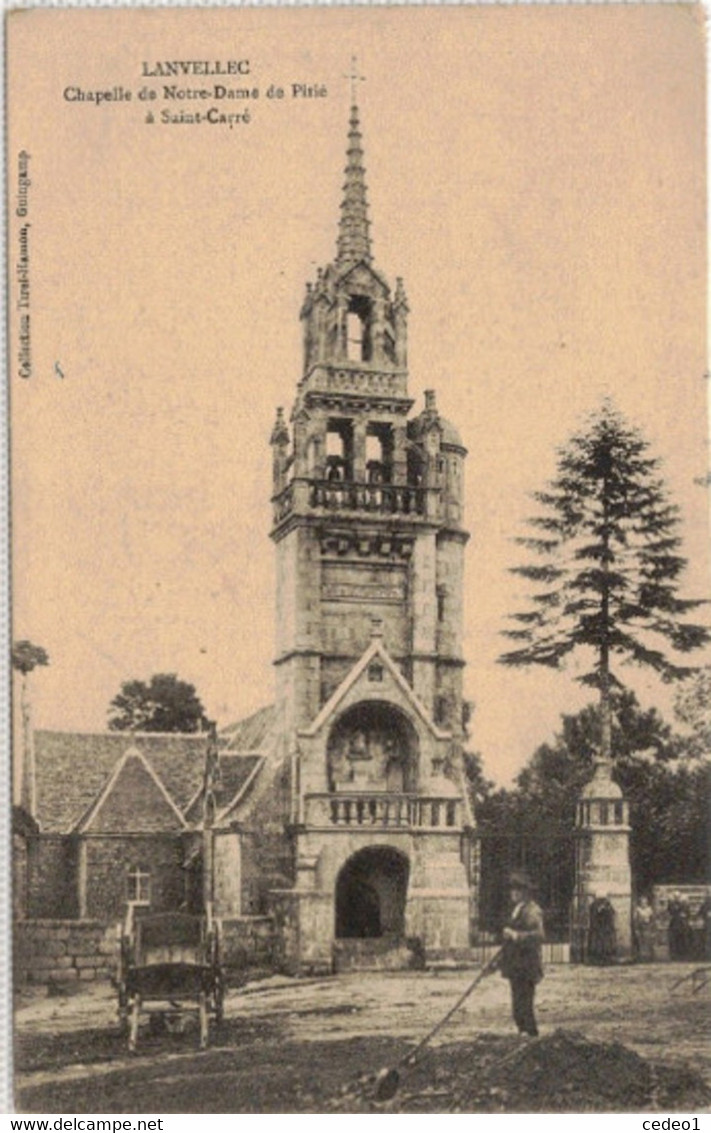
(360, 545)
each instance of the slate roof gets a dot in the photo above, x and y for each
(449, 434)
(72, 768)
(254, 733)
(22, 823)
(244, 746)
(234, 772)
(134, 799)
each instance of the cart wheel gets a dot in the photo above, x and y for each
(204, 1020)
(133, 1027)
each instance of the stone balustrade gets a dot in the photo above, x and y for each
(360, 380)
(383, 810)
(383, 499)
(352, 497)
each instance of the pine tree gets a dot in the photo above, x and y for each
(608, 565)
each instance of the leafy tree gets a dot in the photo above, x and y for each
(668, 792)
(692, 706)
(26, 657)
(669, 815)
(608, 566)
(477, 785)
(163, 704)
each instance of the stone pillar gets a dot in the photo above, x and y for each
(301, 423)
(360, 428)
(227, 873)
(400, 322)
(399, 458)
(340, 354)
(602, 861)
(81, 878)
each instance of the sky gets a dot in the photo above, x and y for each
(535, 174)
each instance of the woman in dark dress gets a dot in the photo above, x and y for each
(602, 937)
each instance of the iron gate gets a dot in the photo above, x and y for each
(550, 862)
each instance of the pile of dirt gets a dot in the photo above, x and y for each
(567, 1071)
(559, 1073)
(249, 1068)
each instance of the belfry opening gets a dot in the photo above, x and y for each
(371, 893)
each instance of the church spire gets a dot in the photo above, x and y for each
(353, 234)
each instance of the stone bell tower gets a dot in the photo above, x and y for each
(367, 526)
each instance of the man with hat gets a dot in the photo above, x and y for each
(521, 951)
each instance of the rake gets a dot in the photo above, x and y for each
(387, 1081)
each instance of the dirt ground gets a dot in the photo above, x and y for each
(315, 1046)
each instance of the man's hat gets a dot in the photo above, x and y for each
(519, 879)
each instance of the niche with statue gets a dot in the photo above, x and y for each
(372, 747)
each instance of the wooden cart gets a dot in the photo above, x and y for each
(169, 965)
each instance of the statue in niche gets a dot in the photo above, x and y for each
(368, 755)
(359, 744)
(340, 770)
(395, 776)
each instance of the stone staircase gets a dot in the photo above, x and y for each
(378, 954)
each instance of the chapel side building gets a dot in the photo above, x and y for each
(369, 542)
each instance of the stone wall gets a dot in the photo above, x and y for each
(20, 876)
(267, 853)
(23, 828)
(60, 867)
(52, 878)
(64, 951)
(247, 943)
(109, 860)
(284, 907)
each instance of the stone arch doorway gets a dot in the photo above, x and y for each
(371, 892)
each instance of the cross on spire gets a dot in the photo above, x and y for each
(354, 77)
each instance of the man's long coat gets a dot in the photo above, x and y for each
(521, 959)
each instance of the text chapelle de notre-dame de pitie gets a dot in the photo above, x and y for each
(191, 101)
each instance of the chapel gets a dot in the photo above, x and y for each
(338, 813)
